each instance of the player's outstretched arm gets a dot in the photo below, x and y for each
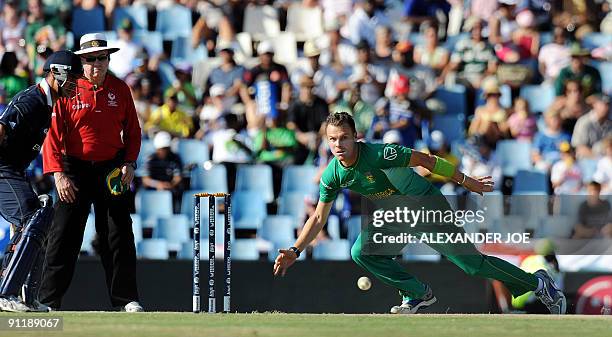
(442, 167)
(313, 226)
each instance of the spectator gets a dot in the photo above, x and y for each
(367, 16)
(526, 38)
(565, 174)
(380, 123)
(370, 75)
(143, 106)
(362, 111)
(124, 61)
(228, 74)
(521, 123)
(170, 118)
(10, 82)
(44, 31)
(183, 88)
(431, 54)
(439, 147)
(215, 106)
(592, 128)
(87, 16)
(402, 116)
(554, 56)
(594, 216)
(422, 79)
(12, 29)
(480, 160)
(310, 69)
(163, 170)
(306, 116)
(502, 23)
(483, 9)
(419, 11)
(588, 76)
(490, 120)
(272, 72)
(546, 143)
(275, 144)
(146, 73)
(473, 59)
(230, 147)
(571, 105)
(603, 172)
(335, 47)
(384, 44)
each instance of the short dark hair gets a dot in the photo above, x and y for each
(340, 118)
(594, 184)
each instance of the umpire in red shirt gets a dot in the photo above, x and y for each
(91, 149)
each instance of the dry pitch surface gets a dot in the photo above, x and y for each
(154, 324)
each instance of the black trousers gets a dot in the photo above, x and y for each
(114, 229)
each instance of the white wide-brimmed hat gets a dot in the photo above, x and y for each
(93, 42)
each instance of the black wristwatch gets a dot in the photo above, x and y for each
(295, 250)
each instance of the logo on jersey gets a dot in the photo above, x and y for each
(81, 105)
(389, 153)
(36, 147)
(348, 183)
(112, 99)
(370, 177)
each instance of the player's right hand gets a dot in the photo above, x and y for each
(283, 261)
(66, 189)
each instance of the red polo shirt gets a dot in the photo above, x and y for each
(94, 125)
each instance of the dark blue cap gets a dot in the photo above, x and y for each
(65, 58)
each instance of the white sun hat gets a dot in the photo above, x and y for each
(93, 42)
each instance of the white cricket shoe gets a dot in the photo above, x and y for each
(12, 304)
(133, 307)
(412, 306)
(550, 295)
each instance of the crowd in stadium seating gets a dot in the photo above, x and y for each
(516, 89)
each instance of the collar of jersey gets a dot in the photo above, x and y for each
(47, 90)
(352, 167)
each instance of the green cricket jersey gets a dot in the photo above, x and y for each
(381, 170)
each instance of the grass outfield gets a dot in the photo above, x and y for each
(283, 325)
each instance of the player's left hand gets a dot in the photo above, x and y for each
(127, 174)
(479, 184)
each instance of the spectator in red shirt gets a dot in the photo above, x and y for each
(93, 135)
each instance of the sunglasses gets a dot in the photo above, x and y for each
(92, 59)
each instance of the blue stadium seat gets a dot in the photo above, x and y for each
(166, 72)
(514, 155)
(452, 126)
(299, 179)
(175, 229)
(557, 226)
(505, 100)
(273, 251)
(137, 14)
(595, 39)
(136, 228)
(539, 97)
(186, 252)
(173, 22)
(187, 204)
(293, 204)
(155, 249)
(530, 181)
(278, 228)
(151, 41)
(88, 235)
(545, 38)
(245, 250)
(354, 228)
(152, 205)
(333, 227)
(256, 178)
(605, 70)
(146, 149)
(510, 224)
(87, 21)
(454, 99)
(530, 206)
(210, 180)
(192, 151)
(333, 250)
(570, 204)
(248, 210)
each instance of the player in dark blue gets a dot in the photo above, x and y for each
(23, 127)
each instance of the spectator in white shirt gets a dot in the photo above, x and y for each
(364, 21)
(603, 172)
(554, 56)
